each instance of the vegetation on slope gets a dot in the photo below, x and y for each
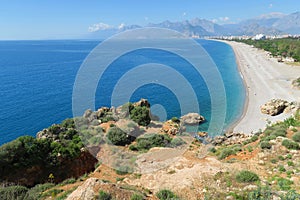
(286, 47)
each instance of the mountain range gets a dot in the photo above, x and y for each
(268, 24)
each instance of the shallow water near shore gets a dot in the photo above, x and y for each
(37, 80)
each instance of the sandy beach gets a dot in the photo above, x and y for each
(264, 79)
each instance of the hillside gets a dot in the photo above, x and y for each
(143, 159)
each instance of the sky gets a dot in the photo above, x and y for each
(68, 19)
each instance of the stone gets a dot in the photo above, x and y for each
(87, 113)
(274, 107)
(192, 119)
(250, 187)
(202, 134)
(142, 103)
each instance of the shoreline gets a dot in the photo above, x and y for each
(246, 103)
(263, 79)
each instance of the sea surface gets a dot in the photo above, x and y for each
(37, 78)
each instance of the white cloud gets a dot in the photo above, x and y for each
(99, 27)
(224, 19)
(121, 26)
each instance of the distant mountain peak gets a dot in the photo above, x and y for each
(268, 24)
(271, 15)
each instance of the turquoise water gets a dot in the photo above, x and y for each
(37, 77)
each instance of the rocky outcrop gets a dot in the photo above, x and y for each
(89, 190)
(51, 133)
(142, 103)
(277, 106)
(230, 138)
(192, 119)
(274, 107)
(85, 191)
(170, 127)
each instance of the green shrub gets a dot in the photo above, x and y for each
(290, 163)
(227, 151)
(284, 184)
(265, 145)
(273, 160)
(149, 141)
(69, 181)
(137, 197)
(166, 195)
(212, 149)
(52, 192)
(13, 192)
(261, 193)
(291, 195)
(296, 136)
(124, 169)
(68, 123)
(254, 138)
(140, 115)
(279, 132)
(175, 142)
(246, 177)
(175, 120)
(280, 157)
(118, 137)
(104, 195)
(289, 144)
(281, 168)
(289, 156)
(36, 192)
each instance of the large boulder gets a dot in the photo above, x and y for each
(274, 107)
(142, 103)
(192, 119)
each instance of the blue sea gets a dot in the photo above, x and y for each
(37, 79)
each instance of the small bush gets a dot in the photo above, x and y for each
(289, 156)
(137, 197)
(69, 181)
(104, 195)
(166, 195)
(177, 142)
(122, 170)
(289, 144)
(265, 145)
(140, 115)
(296, 137)
(212, 149)
(227, 151)
(146, 142)
(175, 119)
(13, 192)
(36, 192)
(279, 132)
(284, 184)
(246, 177)
(260, 193)
(281, 168)
(273, 160)
(119, 137)
(290, 163)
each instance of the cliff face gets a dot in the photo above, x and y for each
(39, 173)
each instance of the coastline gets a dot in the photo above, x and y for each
(264, 79)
